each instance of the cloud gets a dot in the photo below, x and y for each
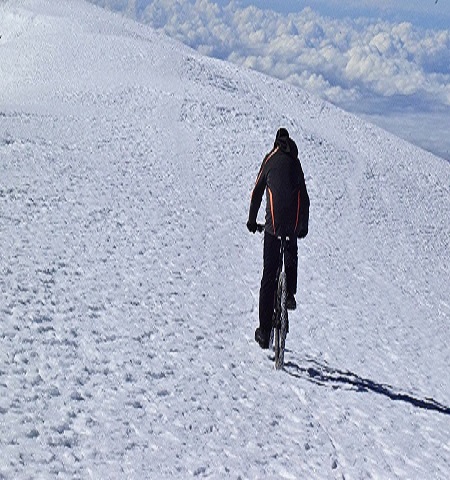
(344, 61)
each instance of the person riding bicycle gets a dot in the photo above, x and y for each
(287, 214)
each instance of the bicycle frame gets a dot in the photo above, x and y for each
(281, 266)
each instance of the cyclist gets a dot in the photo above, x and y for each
(287, 214)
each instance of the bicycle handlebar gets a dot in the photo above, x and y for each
(261, 227)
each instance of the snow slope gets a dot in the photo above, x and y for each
(129, 282)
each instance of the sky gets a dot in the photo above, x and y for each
(424, 13)
(386, 61)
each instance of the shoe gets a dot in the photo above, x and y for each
(291, 304)
(262, 338)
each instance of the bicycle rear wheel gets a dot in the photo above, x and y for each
(281, 326)
(276, 323)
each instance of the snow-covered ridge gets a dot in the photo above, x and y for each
(129, 282)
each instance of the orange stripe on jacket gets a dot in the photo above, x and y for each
(272, 209)
(298, 211)
(271, 154)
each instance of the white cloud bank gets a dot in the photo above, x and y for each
(366, 66)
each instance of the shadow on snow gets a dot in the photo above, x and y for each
(324, 375)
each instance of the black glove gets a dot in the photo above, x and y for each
(251, 226)
(302, 233)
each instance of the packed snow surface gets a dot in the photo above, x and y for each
(129, 283)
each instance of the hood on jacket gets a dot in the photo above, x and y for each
(285, 143)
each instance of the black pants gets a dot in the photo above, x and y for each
(268, 288)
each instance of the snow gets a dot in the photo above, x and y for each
(129, 283)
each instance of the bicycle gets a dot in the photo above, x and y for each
(280, 320)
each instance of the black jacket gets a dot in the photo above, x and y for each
(287, 200)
